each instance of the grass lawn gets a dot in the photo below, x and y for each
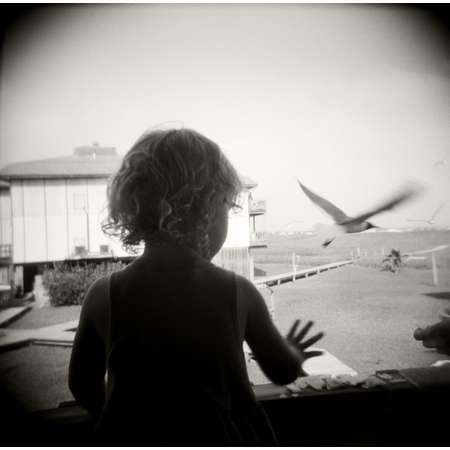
(368, 316)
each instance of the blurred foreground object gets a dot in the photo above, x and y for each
(435, 336)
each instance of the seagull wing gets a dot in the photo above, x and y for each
(436, 212)
(390, 204)
(337, 214)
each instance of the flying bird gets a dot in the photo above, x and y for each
(431, 220)
(359, 223)
(442, 162)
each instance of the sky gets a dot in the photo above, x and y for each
(351, 99)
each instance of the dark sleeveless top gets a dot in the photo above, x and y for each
(176, 369)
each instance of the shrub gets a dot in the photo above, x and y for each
(67, 285)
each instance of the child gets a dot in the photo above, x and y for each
(168, 329)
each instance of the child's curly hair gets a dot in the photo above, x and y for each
(166, 190)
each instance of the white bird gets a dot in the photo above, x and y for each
(359, 223)
(442, 162)
(431, 220)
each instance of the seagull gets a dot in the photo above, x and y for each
(431, 220)
(359, 223)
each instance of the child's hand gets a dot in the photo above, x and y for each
(295, 340)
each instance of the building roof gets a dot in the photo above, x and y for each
(93, 161)
(86, 162)
(248, 182)
(4, 184)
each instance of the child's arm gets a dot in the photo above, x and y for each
(88, 360)
(280, 358)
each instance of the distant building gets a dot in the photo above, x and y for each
(51, 210)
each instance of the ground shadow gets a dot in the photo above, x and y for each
(438, 295)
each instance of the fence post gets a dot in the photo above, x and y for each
(272, 302)
(293, 266)
(435, 273)
(252, 268)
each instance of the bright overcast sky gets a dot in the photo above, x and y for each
(353, 100)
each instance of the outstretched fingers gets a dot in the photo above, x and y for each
(295, 338)
(303, 331)
(312, 354)
(311, 340)
(293, 330)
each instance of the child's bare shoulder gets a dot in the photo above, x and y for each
(97, 293)
(244, 283)
(95, 307)
(247, 292)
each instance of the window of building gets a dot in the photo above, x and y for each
(104, 249)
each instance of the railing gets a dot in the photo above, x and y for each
(258, 207)
(281, 278)
(235, 259)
